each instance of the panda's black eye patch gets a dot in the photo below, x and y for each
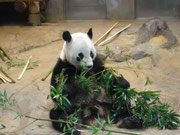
(80, 57)
(91, 54)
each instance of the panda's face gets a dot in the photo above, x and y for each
(79, 50)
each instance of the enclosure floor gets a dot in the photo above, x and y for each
(44, 44)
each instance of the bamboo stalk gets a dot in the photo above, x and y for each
(113, 36)
(4, 78)
(6, 54)
(47, 74)
(83, 125)
(2, 56)
(24, 69)
(12, 80)
(107, 32)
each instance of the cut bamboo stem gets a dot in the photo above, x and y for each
(4, 78)
(25, 67)
(2, 56)
(113, 36)
(12, 80)
(6, 54)
(107, 32)
(47, 74)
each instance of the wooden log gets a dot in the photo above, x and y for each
(34, 8)
(20, 6)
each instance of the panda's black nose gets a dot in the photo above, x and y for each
(89, 67)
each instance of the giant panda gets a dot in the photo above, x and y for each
(78, 51)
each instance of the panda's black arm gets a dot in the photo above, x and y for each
(57, 70)
(99, 67)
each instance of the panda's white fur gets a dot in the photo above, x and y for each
(80, 43)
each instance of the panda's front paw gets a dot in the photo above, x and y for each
(123, 83)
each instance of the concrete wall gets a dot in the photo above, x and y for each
(116, 9)
(54, 10)
(120, 9)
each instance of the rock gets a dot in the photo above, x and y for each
(138, 55)
(153, 28)
(118, 58)
(154, 60)
(140, 51)
(102, 56)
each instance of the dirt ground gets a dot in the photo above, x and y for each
(44, 44)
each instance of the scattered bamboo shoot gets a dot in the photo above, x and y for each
(105, 34)
(25, 67)
(5, 53)
(113, 36)
(2, 56)
(4, 78)
(47, 74)
(12, 80)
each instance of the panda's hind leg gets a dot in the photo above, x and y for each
(58, 114)
(130, 122)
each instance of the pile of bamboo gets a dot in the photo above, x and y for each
(4, 77)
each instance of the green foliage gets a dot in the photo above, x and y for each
(127, 58)
(86, 83)
(5, 99)
(145, 105)
(16, 62)
(108, 51)
(123, 98)
(32, 65)
(38, 126)
(106, 80)
(37, 86)
(71, 121)
(153, 112)
(148, 81)
(2, 127)
(57, 93)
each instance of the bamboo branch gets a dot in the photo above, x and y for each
(3, 80)
(12, 80)
(47, 74)
(2, 56)
(25, 67)
(105, 34)
(113, 36)
(6, 54)
(86, 126)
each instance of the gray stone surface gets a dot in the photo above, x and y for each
(153, 28)
(138, 55)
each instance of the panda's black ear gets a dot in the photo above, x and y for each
(67, 36)
(90, 34)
